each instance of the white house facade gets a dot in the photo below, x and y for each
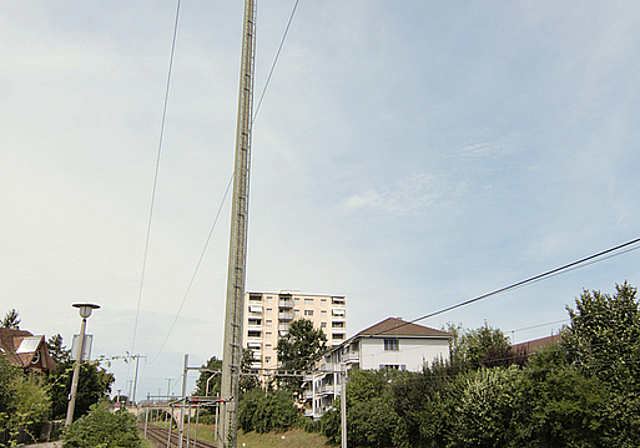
(392, 343)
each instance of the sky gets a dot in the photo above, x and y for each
(409, 155)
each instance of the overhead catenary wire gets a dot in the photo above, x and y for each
(206, 244)
(275, 60)
(157, 170)
(195, 272)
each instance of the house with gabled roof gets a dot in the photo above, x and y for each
(391, 343)
(25, 350)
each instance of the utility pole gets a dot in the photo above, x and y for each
(236, 276)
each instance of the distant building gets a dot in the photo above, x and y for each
(392, 343)
(526, 348)
(25, 350)
(267, 316)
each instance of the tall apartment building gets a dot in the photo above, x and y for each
(267, 317)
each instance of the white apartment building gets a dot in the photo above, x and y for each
(267, 316)
(392, 343)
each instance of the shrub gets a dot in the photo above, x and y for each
(103, 429)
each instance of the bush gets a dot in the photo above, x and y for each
(275, 412)
(103, 429)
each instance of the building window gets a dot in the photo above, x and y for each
(268, 335)
(254, 333)
(323, 325)
(267, 347)
(337, 324)
(255, 297)
(269, 322)
(267, 359)
(392, 344)
(269, 299)
(308, 312)
(269, 311)
(296, 312)
(337, 336)
(308, 301)
(323, 313)
(296, 300)
(323, 301)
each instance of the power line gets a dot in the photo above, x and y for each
(535, 278)
(155, 177)
(228, 185)
(275, 60)
(195, 272)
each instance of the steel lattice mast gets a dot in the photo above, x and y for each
(232, 354)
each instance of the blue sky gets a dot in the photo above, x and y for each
(409, 155)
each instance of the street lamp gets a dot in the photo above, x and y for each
(85, 310)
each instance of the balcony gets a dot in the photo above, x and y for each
(285, 303)
(285, 316)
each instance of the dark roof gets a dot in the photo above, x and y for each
(537, 344)
(397, 327)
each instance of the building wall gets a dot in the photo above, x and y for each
(267, 317)
(405, 353)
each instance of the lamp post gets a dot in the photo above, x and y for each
(85, 310)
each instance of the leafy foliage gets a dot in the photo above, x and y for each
(57, 350)
(103, 429)
(298, 349)
(604, 337)
(94, 385)
(213, 364)
(11, 320)
(273, 411)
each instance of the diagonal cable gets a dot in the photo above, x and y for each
(155, 177)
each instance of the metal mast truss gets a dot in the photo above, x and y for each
(232, 354)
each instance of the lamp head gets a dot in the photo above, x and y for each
(85, 309)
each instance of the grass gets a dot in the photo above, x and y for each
(294, 438)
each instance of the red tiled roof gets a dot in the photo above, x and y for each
(397, 327)
(10, 340)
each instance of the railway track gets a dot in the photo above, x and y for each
(158, 437)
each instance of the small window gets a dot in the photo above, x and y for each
(296, 312)
(267, 359)
(391, 345)
(308, 301)
(308, 312)
(268, 335)
(296, 300)
(269, 322)
(267, 347)
(269, 299)
(323, 325)
(323, 313)
(323, 301)
(269, 311)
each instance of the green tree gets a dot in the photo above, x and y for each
(603, 341)
(604, 336)
(213, 366)
(264, 412)
(485, 346)
(298, 349)
(248, 377)
(57, 350)
(11, 320)
(103, 429)
(559, 406)
(94, 385)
